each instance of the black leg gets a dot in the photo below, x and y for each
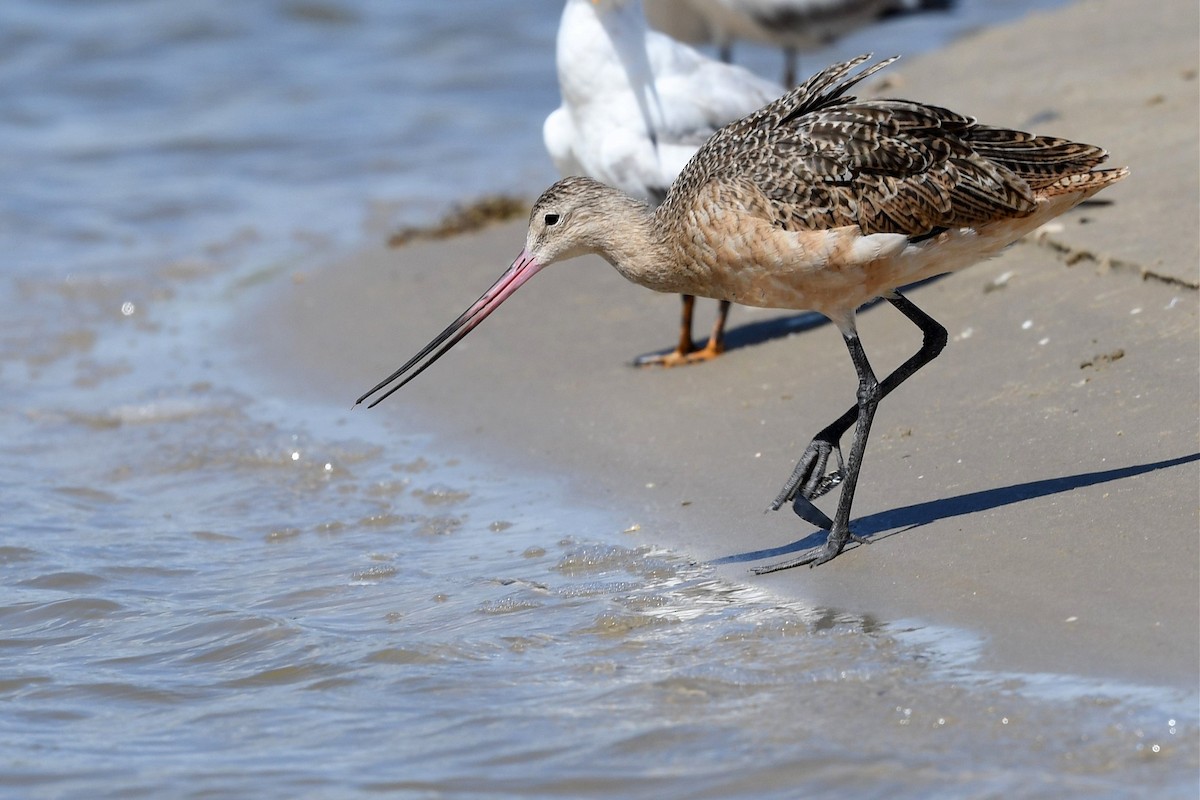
(808, 480)
(869, 393)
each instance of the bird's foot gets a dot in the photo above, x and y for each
(813, 558)
(809, 479)
(827, 483)
(680, 357)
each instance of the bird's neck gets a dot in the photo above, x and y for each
(636, 245)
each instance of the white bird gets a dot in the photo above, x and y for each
(793, 25)
(636, 105)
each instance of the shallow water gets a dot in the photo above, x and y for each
(212, 590)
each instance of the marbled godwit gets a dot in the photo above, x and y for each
(817, 201)
(636, 105)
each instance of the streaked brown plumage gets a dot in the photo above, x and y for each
(817, 201)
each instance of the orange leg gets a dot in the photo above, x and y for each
(686, 345)
(686, 351)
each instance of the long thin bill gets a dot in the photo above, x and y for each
(524, 268)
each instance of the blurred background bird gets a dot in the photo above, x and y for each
(791, 25)
(636, 104)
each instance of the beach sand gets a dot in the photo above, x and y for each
(1038, 484)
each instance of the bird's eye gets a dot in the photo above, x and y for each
(552, 219)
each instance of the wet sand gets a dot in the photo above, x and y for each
(1038, 483)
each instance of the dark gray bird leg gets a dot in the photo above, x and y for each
(809, 480)
(791, 65)
(868, 400)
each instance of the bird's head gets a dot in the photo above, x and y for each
(571, 218)
(568, 220)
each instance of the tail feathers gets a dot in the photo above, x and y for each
(1041, 161)
(1086, 183)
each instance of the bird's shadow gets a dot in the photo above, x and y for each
(755, 333)
(899, 520)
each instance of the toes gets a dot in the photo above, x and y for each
(778, 566)
(826, 484)
(679, 358)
